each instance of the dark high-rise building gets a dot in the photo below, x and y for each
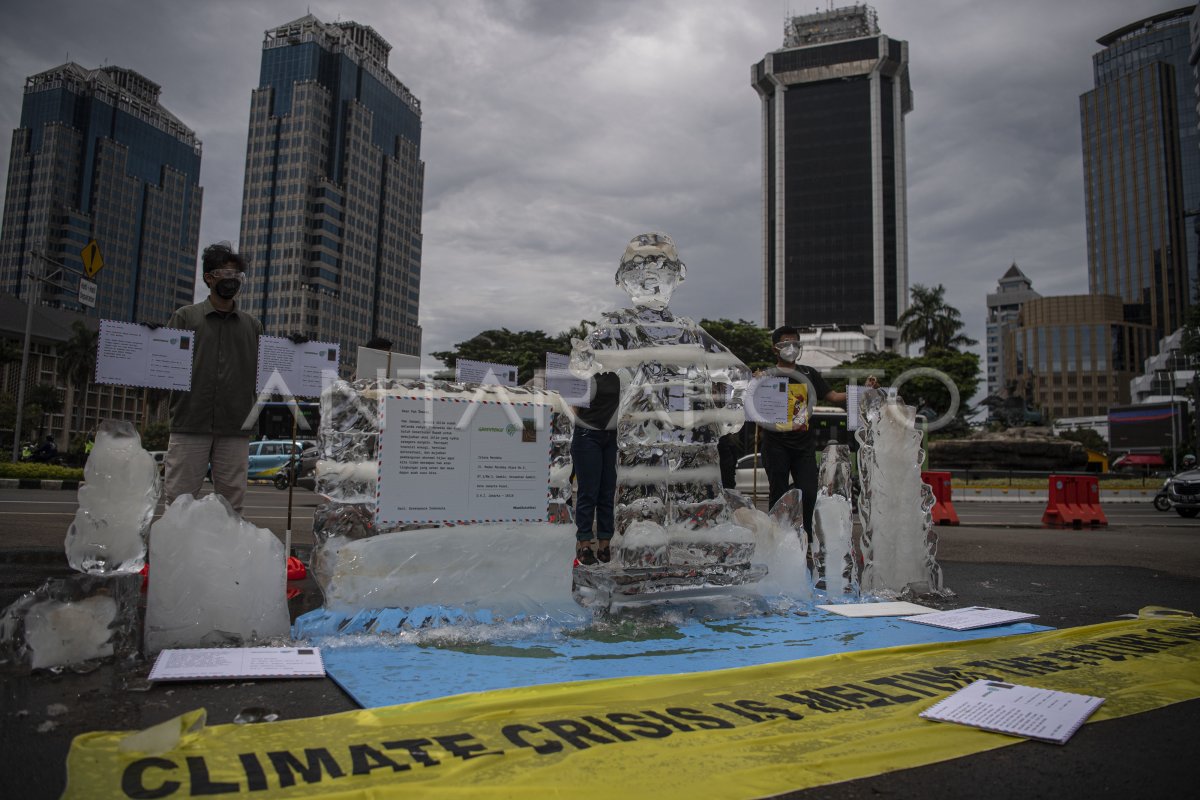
(97, 157)
(1141, 169)
(331, 211)
(834, 218)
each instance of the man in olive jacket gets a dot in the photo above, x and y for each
(206, 422)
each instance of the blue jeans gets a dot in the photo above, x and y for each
(594, 455)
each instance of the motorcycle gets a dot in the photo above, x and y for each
(1161, 501)
(305, 465)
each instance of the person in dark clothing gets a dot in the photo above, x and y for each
(594, 456)
(789, 450)
(46, 451)
(207, 421)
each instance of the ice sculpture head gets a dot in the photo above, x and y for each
(650, 270)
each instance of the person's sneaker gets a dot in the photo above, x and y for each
(603, 553)
(584, 554)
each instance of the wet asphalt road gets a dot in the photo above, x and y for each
(998, 557)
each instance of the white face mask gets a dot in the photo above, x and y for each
(789, 352)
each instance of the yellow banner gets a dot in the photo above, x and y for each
(745, 732)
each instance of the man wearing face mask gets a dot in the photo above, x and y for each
(206, 422)
(788, 450)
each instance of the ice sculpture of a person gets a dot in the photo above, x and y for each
(682, 392)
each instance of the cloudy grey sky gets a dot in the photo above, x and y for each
(553, 130)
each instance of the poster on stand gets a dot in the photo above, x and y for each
(129, 354)
(298, 368)
(449, 459)
(468, 371)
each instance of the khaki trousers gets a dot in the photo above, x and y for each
(189, 456)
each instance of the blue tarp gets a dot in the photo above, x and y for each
(423, 661)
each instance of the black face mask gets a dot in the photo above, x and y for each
(227, 288)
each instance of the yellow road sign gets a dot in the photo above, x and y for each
(93, 262)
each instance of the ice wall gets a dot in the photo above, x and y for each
(116, 503)
(899, 544)
(506, 568)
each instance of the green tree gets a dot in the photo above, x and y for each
(40, 401)
(931, 321)
(76, 366)
(526, 350)
(1086, 437)
(10, 352)
(929, 392)
(746, 340)
(156, 436)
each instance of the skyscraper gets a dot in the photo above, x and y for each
(834, 219)
(97, 157)
(1141, 170)
(1013, 290)
(331, 210)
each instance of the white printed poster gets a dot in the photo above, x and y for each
(468, 371)
(767, 400)
(456, 460)
(295, 370)
(129, 354)
(575, 391)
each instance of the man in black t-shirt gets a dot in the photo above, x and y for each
(788, 450)
(594, 457)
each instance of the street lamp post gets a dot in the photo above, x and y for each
(34, 285)
(36, 279)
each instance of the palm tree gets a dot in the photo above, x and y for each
(76, 366)
(929, 320)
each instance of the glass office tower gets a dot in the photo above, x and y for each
(834, 219)
(331, 210)
(97, 157)
(1141, 167)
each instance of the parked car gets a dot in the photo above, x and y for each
(746, 475)
(270, 456)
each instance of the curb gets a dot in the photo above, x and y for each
(34, 483)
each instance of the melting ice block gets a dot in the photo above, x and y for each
(898, 541)
(116, 503)
(214, 578)
(71, 620)
(781, 545)
(834, 559)
(506, 568)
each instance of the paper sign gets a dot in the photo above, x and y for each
(447, 460)
(294, 370)
(129, 354)
(965, 619)
(575, 391)
(854, 394)
(1043, 714)
(767, 400)
(894, 609)
(223, 663)
(373, 363)
(467, 371)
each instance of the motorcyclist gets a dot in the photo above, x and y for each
(47, 450)
(1188, 462)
